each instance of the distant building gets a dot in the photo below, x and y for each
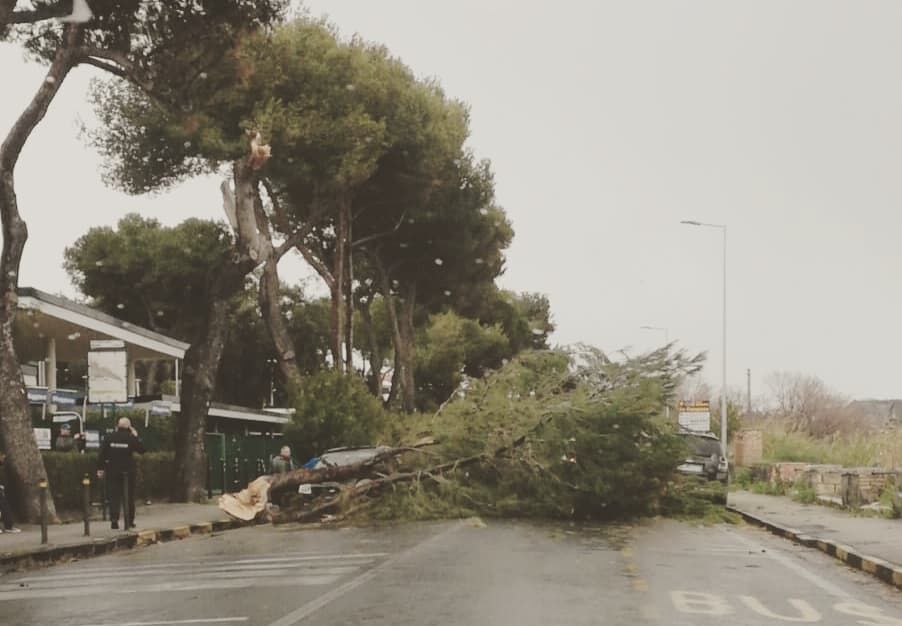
(52, 331)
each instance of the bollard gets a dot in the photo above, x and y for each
(43, 498)
(103, 501)
(86, 504)
(126, 502)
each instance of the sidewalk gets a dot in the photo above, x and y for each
(871, 544)
(156, 522)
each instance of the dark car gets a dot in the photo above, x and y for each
(705, 458)
(337, 457)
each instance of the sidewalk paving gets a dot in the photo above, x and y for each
(871, 544)
(156, 522)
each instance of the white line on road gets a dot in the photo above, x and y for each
(105, 582)
(170, 587)
(313, 606)
(185, 573)
(212, 620)
(791, 564)
(208, 564)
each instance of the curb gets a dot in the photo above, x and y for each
(883, 570)
(48, 555)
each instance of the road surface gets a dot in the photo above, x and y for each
(456, 574)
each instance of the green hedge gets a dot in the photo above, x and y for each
(65, 471)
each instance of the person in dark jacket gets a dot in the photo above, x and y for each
(117, 463)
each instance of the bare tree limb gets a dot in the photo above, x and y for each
(364, 240)
(39, 14)
(316, 264)
(106, 67)
(126, 68)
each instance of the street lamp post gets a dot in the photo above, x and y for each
(723, 386)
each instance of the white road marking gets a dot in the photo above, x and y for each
(169, 587)
(106, 581)
(225, 567)
(807, 613)
(810, 576)
(211, 620)
(700, 603)
(306, 610)
(870, 612)
(208, 564)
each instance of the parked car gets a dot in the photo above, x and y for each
(336, 457)
(705, 458)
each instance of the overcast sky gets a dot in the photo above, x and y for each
(607, 123)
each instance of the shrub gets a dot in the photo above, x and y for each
(65, 471)
(332, 410)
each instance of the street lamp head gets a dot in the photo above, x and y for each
(690, 222)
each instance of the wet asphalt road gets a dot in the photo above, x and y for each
(455, 574)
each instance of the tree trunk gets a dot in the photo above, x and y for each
(272, 315)
(201, 367)
(408, 351)
(402, 339)
(395, 381)
(376, 357)
(349, 291)
(338, 290)
(203, 357)
(25, 466)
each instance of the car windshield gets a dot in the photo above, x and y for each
(702, 446)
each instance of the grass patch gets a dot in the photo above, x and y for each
(853, 450)
(804, 494)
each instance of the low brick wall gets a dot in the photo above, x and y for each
(853, 487)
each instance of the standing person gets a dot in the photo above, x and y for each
(5, 510)
(116, 459)
(283, 462)
(65, 442)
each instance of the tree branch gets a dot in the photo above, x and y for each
(316, 264)
(126, 68)
(106, 67)
(360, 242)
(38, 15)
(63, 61)
(281, 216)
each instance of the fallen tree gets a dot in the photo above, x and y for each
(553, 434)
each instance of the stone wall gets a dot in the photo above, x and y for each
(852, 487)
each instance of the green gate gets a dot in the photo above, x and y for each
(214, 445)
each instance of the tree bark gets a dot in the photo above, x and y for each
(376, 357)
(408, 350)
(402, 339)
(272, 315)
(349, 290)
(338, 289)
(25, 466)
(203, 357)
(201, 367)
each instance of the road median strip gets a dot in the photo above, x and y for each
(879, 568)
